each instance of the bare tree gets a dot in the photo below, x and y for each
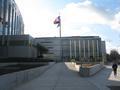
(114, 55)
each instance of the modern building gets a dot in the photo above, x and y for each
(18, 46)
(104, 51)
(11, 22)
(53, 45)
(13, 42)
(81, 48)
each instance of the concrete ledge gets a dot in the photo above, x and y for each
(6, 64)
(9, 81)
(91, 70)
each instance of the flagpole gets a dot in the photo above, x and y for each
(60, 39)
(58, 22)
(60, 30)
(61, 49)
(60, 26)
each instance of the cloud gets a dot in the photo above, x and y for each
(38, 20)
(85, 3)
(111, 46)
(115, 24)
(83, 31)
(82, 13)
(78, 17)
(75, 16)
(85, 14)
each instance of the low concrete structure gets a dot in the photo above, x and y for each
(91, 70)
(6, 64)
(17, 46)
(9, 81)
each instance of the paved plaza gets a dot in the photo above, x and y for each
(63, 76)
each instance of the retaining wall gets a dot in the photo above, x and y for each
(6, 64)
(89, 71)
(9, 81)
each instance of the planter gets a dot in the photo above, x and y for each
(86, 71)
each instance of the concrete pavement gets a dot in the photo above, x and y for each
(64, 76)
(114, 81)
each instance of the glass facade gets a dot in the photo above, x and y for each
(11, 22)
(82, 48)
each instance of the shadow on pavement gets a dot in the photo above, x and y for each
(114, 85)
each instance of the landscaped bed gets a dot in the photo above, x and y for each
(19, 67)
(9, 65)
(87, 69)
(87, 65)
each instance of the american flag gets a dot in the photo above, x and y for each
(57, 21)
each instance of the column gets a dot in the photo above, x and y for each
(15, 24)
(70, 50)
(88, 49)
(79, 50)
(97, 49)
(84, 47)
(75, 47)
(93, 47)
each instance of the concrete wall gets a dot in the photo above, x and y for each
(22, 51)
(17, 46)
(94, 69)
(89, 71)
(19, 51)
(6, 64)
(72, 46)
(9, 81)
(53, 45)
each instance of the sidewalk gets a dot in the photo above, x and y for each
(101, 78)
(117, 78)
(63, 76)
(114, 81)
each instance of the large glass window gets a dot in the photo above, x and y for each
(11, 22)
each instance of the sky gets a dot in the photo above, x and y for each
(78, 18)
